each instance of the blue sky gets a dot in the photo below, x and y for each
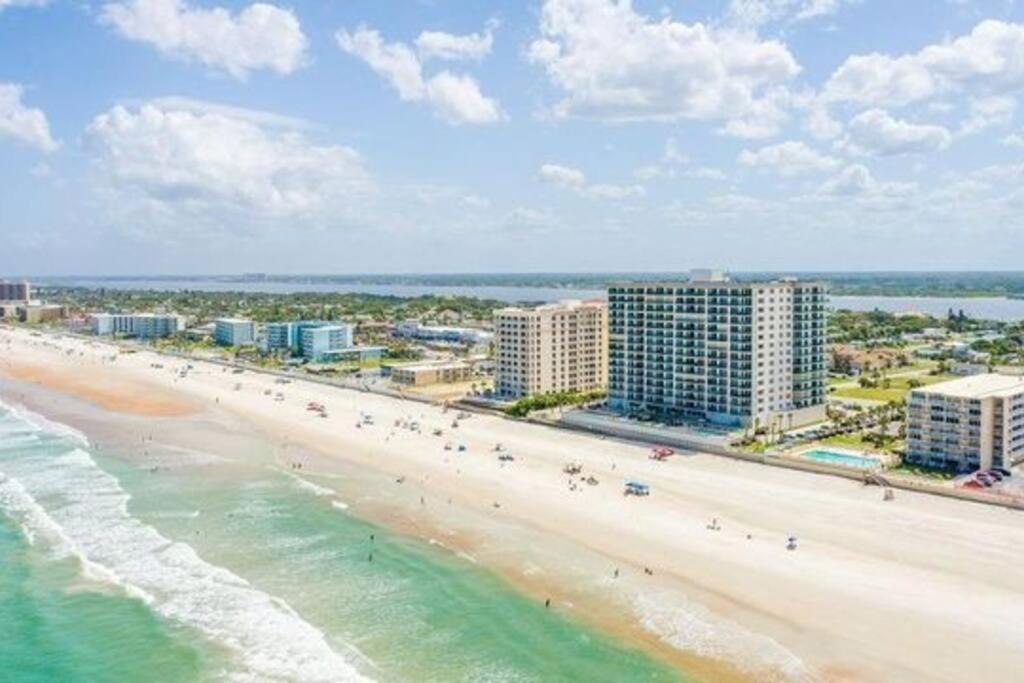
(191, 136)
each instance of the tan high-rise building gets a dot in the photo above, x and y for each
(551, 348)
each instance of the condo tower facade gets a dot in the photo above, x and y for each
(711, 349)
(552, 348)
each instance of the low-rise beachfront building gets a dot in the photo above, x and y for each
(318, 343)
(234, 331)
(552, 348)
(412, 329)
(141, 325)
(281, 336)
(711, 349)
(424, 374)
(967, 424)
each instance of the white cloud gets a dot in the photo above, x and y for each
(788, 159)
(876, 132)
(455, 97)
(22, 3)
(706, 173)
(260, 36)
(441, 45)
(458, 99)
(1014, 140)
(574, 179)
(615, 64)
(205, 163)
(857, 181)
(753, 13)
(671, 159)
(986, 61)
(22, 123)
(988, 112)
(562, 176)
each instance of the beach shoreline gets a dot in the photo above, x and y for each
(851, 604)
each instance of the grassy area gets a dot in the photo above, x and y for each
(923, 472)
(897, 388)
(858, 442)
(525, 406)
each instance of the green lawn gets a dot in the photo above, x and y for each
(898, 388)
(857, 442)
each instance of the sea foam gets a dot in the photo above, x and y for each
(82, 511)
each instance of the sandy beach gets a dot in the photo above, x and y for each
(915, 589)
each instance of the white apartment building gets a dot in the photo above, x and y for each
(234, 331)
(711, 349)
(967, 424)
(141, 325)
(551, 348)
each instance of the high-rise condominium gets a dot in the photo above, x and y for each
(552, 348)
(733, 353)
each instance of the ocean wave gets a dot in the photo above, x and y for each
(693, 628)
(23, 416)
(307, 485)
(86, 516)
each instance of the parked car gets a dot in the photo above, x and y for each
(994, 475)
(1002, 471)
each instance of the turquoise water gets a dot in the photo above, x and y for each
(843, 459)
(208, 570)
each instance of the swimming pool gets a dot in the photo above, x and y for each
(830, 457)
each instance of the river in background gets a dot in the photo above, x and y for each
(988, 308)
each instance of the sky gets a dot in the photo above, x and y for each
(386, 136)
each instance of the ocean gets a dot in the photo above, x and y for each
(192, 566)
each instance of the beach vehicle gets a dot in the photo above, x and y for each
(636, 488)
(661, 453)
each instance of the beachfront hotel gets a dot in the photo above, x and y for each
(234, 331)
(711, 349)
(320, 342)
(141, 325)
(551, 348)
(967, 424)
